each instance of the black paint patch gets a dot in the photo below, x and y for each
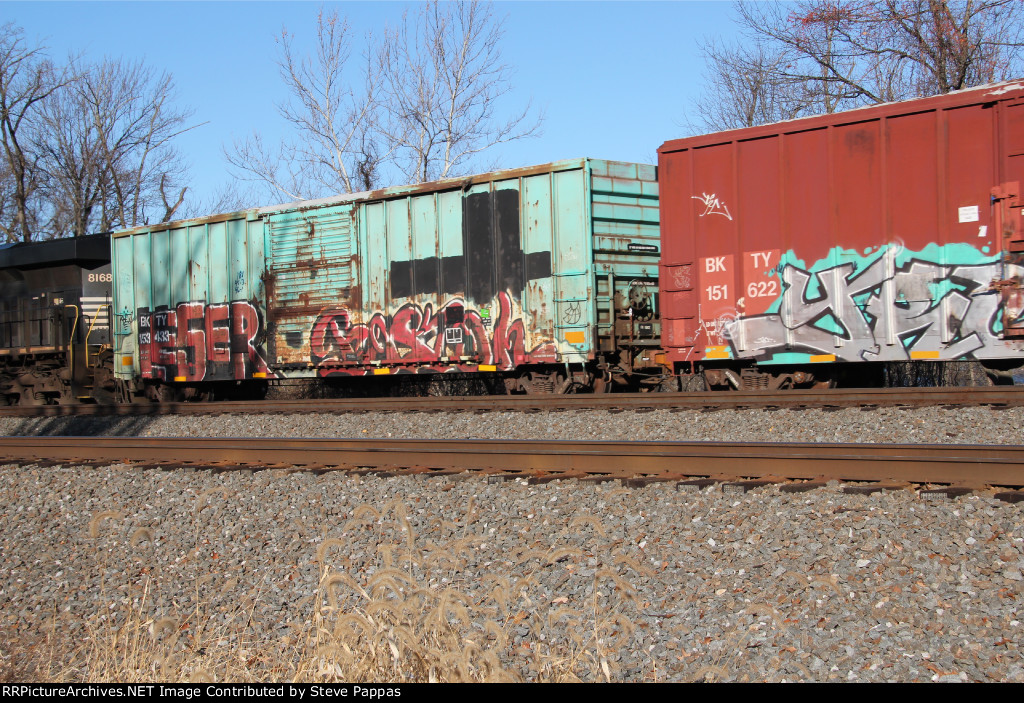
(454, 315)
(538, 265)
(492, 260)
(401, 279)
(426, 276)
(453, 274)
(478, 245)
(509, 259)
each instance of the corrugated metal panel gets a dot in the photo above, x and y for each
(310, 270)
(886, 233)
(626, 241)
(447, 272)
(189, 300)
(495, 270)
(460, 274)
(572, 265)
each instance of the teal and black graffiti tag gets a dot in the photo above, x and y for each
(943, 302)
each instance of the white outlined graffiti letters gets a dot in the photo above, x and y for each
(199, 341)
(712, 205)
(881, 312)
(419, 334)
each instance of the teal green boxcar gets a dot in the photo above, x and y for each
(539, 269)
(549, 272)
(189, 301)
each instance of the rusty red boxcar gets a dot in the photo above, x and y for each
(886, 233)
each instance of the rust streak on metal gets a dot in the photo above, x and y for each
(746, 464)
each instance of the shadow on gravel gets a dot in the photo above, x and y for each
(82, 426)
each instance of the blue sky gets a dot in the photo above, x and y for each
(614, 79)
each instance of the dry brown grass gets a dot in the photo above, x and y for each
(400, 614)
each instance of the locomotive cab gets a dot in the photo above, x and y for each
(54, 320)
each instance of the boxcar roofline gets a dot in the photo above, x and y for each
(463, 182)
(379, 194)
(959, 98)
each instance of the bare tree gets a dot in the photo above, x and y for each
(231, 196)
(420, 105)
(335, 148)
(846, 54)
(135, 123)
(745, 87)
(443, 86)
(71, 162)
(27, 78)
(84, 148)
(108, 153)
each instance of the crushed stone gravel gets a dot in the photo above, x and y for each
(930, 425)
(637, 584)
(560, 580)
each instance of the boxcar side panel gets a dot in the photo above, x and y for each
(882, 234)
(190, 302)
(572, 261)
(311, 273)
(461, 276)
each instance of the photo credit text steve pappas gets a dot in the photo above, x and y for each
(195, 691)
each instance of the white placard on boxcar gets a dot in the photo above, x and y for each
(969, 213)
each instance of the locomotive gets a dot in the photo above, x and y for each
(799, 254)
(55, 302)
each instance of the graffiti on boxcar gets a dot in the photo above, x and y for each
(573, 313)
(881, 311)
(125, 321)
(712, 205)
(418, 334)
(199, 341)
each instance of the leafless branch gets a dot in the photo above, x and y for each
(109, 149)
(334, 148)
(848, 53)
(84, 147)
(444, 84)
(27, 78)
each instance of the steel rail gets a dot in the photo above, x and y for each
(859, 397)
(955, 464)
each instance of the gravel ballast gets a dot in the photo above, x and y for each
(931, 425)
(556, 581)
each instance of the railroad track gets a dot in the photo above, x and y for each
(1004, 396)
(963, 466)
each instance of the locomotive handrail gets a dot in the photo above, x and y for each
(71, 345)
(92, 325)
